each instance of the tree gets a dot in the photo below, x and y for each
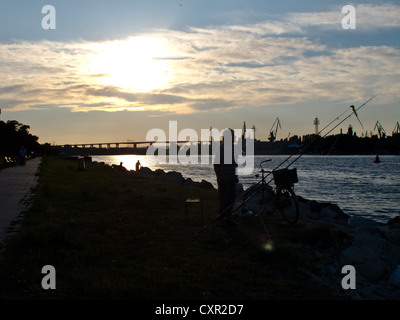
(14, 135)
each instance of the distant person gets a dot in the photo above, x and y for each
(138, 165)
(227, 180)
(22, 153)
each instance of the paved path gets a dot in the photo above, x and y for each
(15, 187)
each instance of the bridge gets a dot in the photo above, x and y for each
(132, 144)
(115, 148)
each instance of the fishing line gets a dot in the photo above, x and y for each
(319, 137)
(253, 189)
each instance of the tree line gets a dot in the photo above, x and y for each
(15, 135)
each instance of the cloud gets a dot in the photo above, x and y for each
(369, 17)
(217, 68)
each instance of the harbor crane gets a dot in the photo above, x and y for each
(272, 132)
(381, 131)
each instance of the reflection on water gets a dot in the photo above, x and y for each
(356, 184)
(128, 161)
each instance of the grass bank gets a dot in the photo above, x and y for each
(115, 235)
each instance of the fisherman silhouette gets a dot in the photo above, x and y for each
(225, 170)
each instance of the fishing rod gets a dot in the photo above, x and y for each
(253, 189)
(319, 137)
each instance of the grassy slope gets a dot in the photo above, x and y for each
(114, 235)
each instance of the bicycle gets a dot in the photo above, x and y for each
(267, 199)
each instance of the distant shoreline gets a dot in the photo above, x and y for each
(130, 151)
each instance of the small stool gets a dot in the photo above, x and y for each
(194, 201)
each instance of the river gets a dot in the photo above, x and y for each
(355, 183)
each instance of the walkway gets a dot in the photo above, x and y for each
(15, 187)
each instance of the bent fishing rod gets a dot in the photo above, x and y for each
(318, 135)
(354, 112)
(253, 189)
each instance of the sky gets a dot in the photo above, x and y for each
(111, 71)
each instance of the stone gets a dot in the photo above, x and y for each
(395, 278)
(159, 172)
(190, 183)
(358, 255)
(394, 222)
(206, 185)
(305, 211)
(374, 242)
(394, 236)
(173, 176)
(355, 221)
(372, 269)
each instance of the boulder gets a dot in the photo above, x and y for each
(372, 269)
(145, 172)
(328, 212)
(355, 222)
(372, 241)
(190, 183)
(394, 222)
(395, 277)
(206, 185)
(355, 255)
(173, 176)
(305, 211)
(394, 236)
(158, 172)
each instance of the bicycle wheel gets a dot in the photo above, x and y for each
(288, 204)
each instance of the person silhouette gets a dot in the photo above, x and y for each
(227, 179)
(138, 165)
(22, 153)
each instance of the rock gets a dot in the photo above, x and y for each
(159, 172)
(173, 176)
(394, 236)
(394, 222)
(328, 212)
(206, 185)
(305, 211)
(374, 242)
(190, 183)
(358, 255)
(395, 278)
(355, 222)
(372, 269)
(145, 172)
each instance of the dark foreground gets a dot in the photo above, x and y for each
(112, 234)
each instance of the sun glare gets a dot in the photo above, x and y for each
(135, 64)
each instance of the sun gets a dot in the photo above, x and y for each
(137, 63)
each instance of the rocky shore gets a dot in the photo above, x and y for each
(371, 247)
